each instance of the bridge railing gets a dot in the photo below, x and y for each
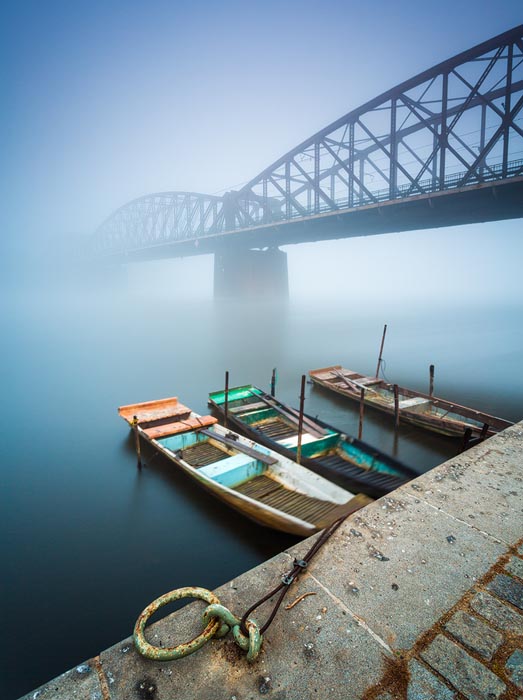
(453, 126)
(430, 185)
(439, 130)
(160, 219)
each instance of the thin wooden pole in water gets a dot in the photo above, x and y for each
(300, 420)
(395, 444)
(431, 383)
(381, 350)
(362, 406)
(226, 408)
(396, 407)
(137, 441)
(466, 439)
(273, 382)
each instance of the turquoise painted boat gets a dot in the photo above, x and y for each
(349, 462)
(258, 482)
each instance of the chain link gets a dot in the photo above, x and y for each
(218, 621)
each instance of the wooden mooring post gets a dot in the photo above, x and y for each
(137, 442)
(466, 439)
(362, 406)
(226, 407)
(381, 350)
(300, 419)
(396, 407)
(431, 382)
(273, 382)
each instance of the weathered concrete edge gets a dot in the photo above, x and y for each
(448, 498)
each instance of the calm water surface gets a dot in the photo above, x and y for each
(88, 539)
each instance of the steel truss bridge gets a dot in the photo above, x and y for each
(443, 148)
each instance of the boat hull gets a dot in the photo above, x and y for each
(428, 412)
(247, 507)
(350, 476)
(255, 481)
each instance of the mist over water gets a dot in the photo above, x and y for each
(109, 101)
(90, 540)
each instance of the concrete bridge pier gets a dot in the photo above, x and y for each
(257, 274)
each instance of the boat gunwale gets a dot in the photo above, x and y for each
(243, 387)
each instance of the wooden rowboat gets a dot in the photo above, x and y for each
(430, 412)
(254, 480)
(347, 461)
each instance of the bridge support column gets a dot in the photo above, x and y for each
(251, 273)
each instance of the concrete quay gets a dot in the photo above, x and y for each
(417, 596)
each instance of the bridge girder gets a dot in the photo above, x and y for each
(156, 219)
(457, 125)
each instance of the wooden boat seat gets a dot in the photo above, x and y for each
(344, 385)
(150, 411)
(179, 427)
(306, 438)
(246, 407)
(324, 375)
(369, 381)
(332, 372)
(415, 402)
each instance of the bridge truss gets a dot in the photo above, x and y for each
(456, 125)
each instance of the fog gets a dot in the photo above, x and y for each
(107, 101)
(476, 264)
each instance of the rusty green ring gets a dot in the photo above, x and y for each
(177, 652)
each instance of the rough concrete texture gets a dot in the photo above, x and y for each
(81, 682)
(389, 588)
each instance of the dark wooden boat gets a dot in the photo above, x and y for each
(349, 462)
(430, 412)
(256, 481)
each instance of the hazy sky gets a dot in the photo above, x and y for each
(106, 101)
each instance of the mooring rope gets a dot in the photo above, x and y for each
(299, 566)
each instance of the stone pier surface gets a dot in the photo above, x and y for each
(417, 596)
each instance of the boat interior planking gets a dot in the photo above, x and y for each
(423, 410)
(251, 478)
(352, 463)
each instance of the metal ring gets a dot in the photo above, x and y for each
(252, 643)
(177, 652)
(255, 640)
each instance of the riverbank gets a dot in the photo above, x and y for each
(419, 595)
